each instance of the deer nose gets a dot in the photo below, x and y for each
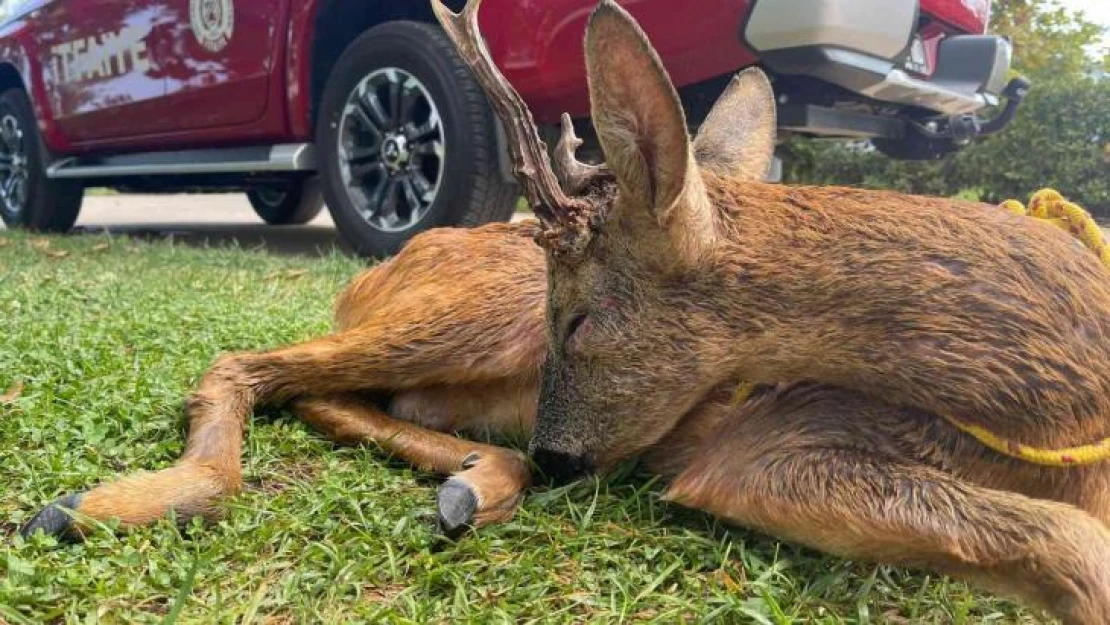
(559, 468)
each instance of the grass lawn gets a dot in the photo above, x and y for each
(107, 335)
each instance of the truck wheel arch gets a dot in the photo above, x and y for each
(19, 70)
(11, 78)
(343, 21)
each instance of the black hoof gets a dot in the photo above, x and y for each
(54, 520)
(457, 504)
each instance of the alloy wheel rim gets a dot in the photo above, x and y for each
(391, 149)
(14, 170)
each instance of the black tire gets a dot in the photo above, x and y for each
(32, 202)
(291, 203)
(472, 189)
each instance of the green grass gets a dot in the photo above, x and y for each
(109, 334)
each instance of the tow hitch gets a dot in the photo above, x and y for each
(963, 128)
(936, 137)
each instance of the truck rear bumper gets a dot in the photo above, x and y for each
(866, 46)
(971, 72)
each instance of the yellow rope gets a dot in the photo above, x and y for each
(1049, 206)
(1066, 457)
(743, 392)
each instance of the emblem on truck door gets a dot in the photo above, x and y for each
(213, 22)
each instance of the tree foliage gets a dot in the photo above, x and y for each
(1049, 40)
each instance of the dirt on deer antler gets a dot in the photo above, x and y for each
(566, 219)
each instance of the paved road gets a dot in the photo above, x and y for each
(204, 220)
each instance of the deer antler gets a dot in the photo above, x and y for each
(565, 219)
(574, 174)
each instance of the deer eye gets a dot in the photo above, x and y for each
(577, 330)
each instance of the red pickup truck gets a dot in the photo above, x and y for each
(365, 104)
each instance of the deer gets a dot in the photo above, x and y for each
(465, 359)
(879, 331)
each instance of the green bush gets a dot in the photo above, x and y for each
(1060, 139)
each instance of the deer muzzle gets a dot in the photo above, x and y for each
(558, 468)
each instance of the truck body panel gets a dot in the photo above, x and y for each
(538, 46)
(970, 16)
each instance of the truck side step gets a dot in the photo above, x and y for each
(262, 158)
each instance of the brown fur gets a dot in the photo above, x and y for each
(901, 311)
(450, 331)
(702, 448)
(898, 311)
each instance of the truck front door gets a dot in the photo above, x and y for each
(100, 78)
(220, 62)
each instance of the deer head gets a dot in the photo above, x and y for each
(623, 243)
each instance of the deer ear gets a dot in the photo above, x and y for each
(637, 113)
(738, 137)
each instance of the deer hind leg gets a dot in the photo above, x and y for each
(487, 482)
(819, 467)
(208, 470)
(394, 356)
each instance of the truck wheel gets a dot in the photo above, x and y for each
(287, 204)
(406, 140)
(27, 198)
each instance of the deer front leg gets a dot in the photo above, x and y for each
(815, 467)
(486, 483)
(384, 355)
